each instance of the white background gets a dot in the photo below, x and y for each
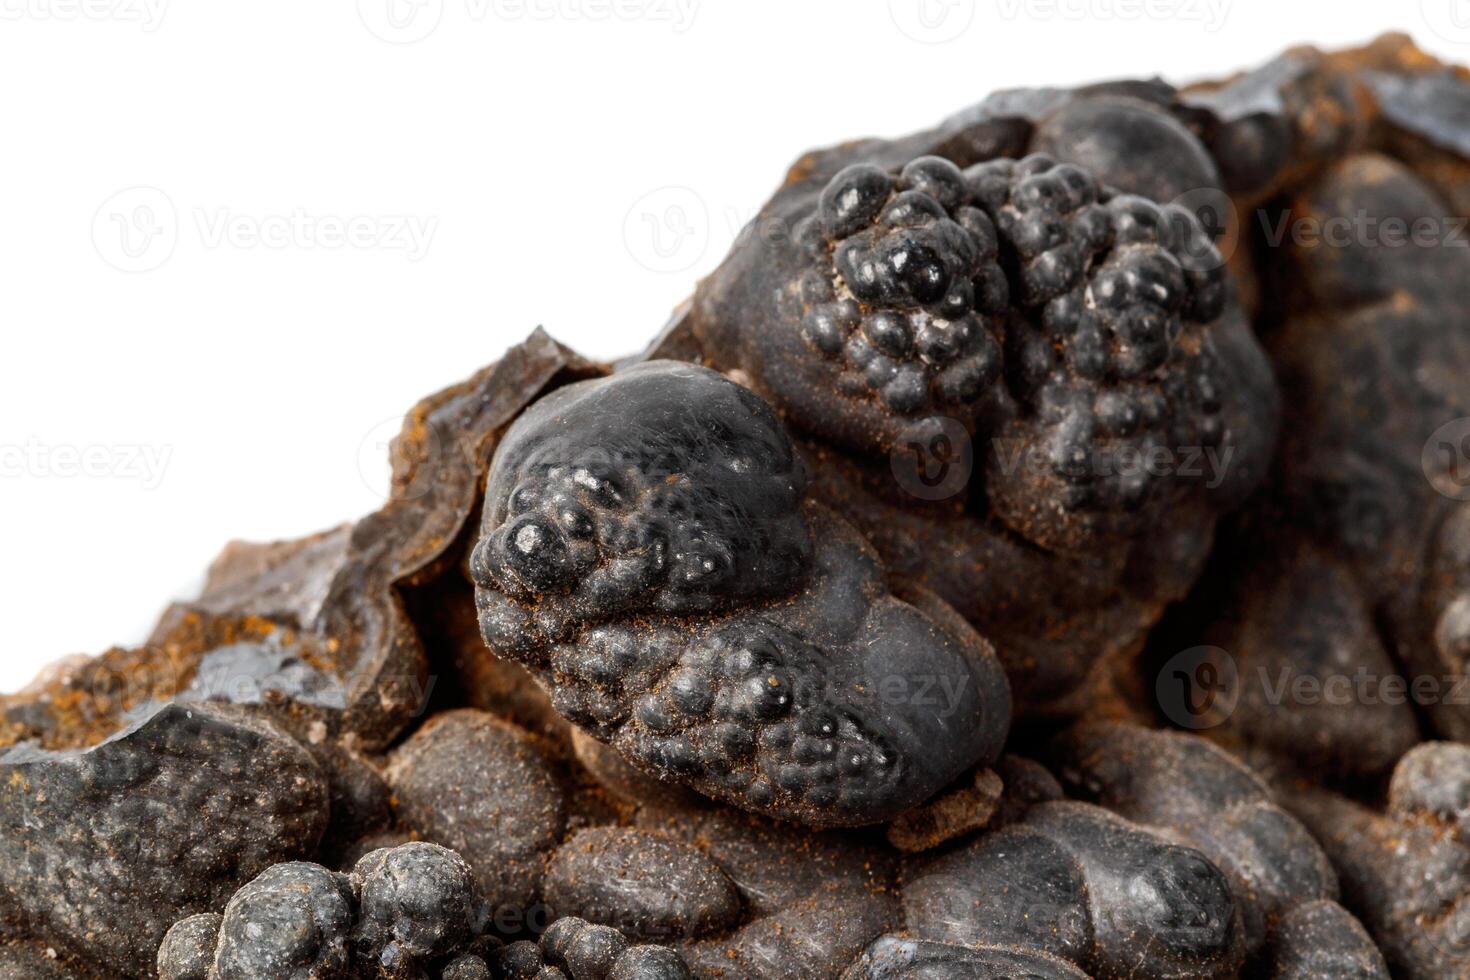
(238, 240)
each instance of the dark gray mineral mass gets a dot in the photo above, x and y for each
(650, 552)
(1040, 550)
(107, 846)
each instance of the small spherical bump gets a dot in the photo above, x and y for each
(940, 341)
(737, 740)
(690, 692)
(1117, 413)
(714, 761)
(853, 198)
(847, 313)
(882, 758)
(187, 949)
(888, 332)
(918, 267)
(520, 960)
(859, 352)
(650, 963)
(854, 761)
(524, 498)
(602, 486)
(937, 177)
(1087, 354)
(1188, 902)
(765, 696)
(292, 916)
(816, 288)
(819, 722)
(1035, 191)
(792, 778)
(1035, 163)
(1079, 187)
(778, 738)
(907, 390)
(699, 565)
(823, 331)
(1143, 325)
(418, 896)
(1052, 272)
(1135, 219)
(862, 273)
(989, 183)
(912, 209)
(811, 236)
(1031, 234)
(1063, 315)
(674, 754)
(654, 714)
(1158, 279)
(958, 302)
(981, 230)
(593, 950)
(1069, 456)
(807, 750)
(591, 666)
(740, 662)
(467, 967)
(614, 647)
(556, 941)
(760, 793)
(537, 553)
(1092, 228)
(880, 370)
(577, 523)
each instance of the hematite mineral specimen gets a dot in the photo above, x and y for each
(840, 633)
(650, 552)
(102, 846)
